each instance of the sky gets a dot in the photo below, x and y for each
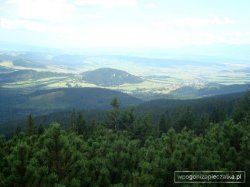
(129, 24)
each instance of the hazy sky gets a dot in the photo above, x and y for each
(124, 23)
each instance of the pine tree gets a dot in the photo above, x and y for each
(18, 130)
(114, 114)
(162, 124)
(127, 118)
(73, 119)
(18, 161)
(31, 126)
(40, 129)
(2, 155)
(80, 125)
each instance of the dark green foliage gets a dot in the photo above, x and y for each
(107, 158)
(201, 109)
(57, 157)
(17, 103)
(163, 124)
(217, 115)
(2, 159)
(80, 125)
(30, 126)
(184, 118)
(127, 119)
(129, 153)
(114, 114)
(242, 110)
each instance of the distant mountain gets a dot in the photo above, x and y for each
(26, 60)
(110, 77)
(211, 89)
(68, 60)
(18, 103)
(199, 106)
(5, 70)
(24, 75)
(82, 98)
(245, 70)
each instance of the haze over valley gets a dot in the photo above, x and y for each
(141, 76)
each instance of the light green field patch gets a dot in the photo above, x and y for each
(7, 64)
(33, 83)
(70, 83)
(146, 86)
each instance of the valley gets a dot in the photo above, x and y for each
(144, 77)
(43, 83)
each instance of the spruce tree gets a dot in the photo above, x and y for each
(162, 124)
(114, 113)
(31, 126)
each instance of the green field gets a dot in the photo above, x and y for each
(157, 79)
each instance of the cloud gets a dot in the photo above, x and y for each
(130, 36)
(195, 22)
(77, 23)
(150, 5)
(20, 23)
(237, 37)
(107, 3)
(200, 22)
(51, 28)
(56, 10)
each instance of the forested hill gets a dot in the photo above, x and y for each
(110, 77)
(224, 102)
(79, 98)
(198, 112)
(24, 75)
(125, 150)
(211, 89)
(18, 103)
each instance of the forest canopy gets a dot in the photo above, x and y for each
(124, 149)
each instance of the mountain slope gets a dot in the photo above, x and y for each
(4, 70)
(170, 108)
(110, 77)
(15, 104)
(211, 89)
(83, 98)
(202, 104)
(24, 75)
